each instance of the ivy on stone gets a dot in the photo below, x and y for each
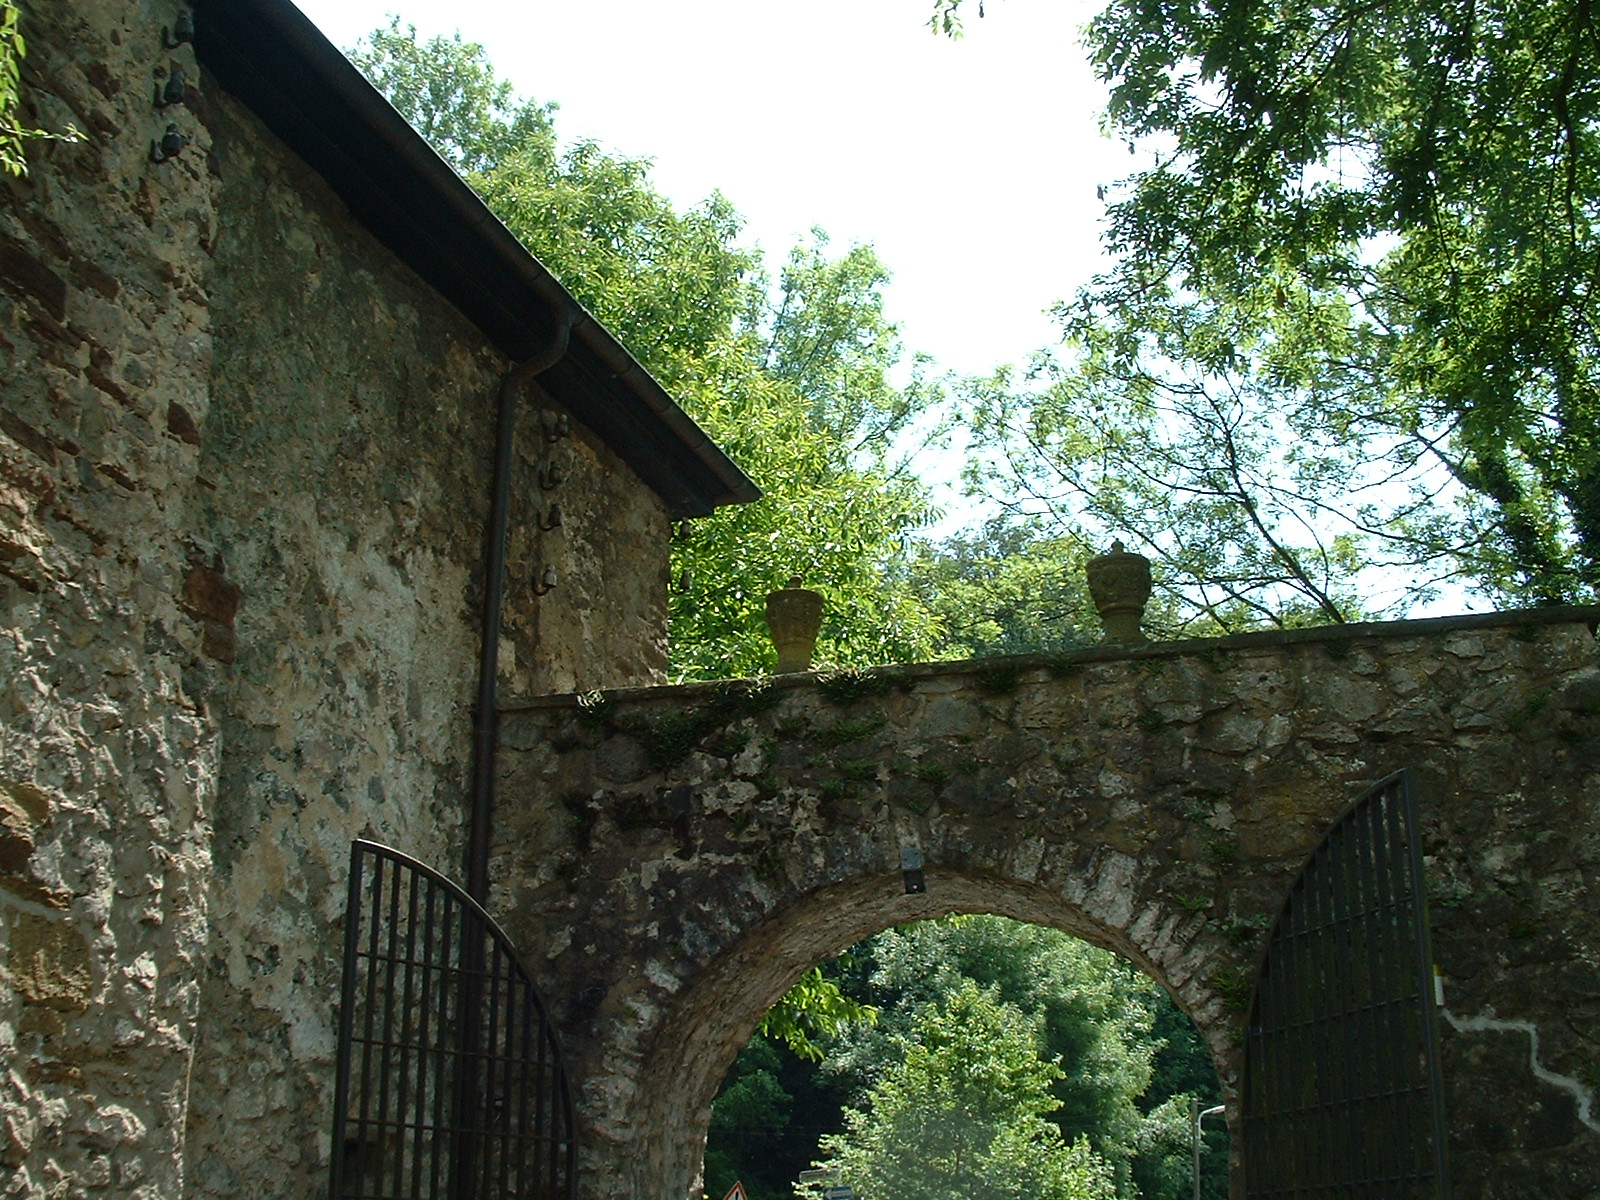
(15, 134)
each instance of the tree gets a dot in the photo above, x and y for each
(1379, 223)
(749, 1121)
(946, 18)
(671, 285)
(1129, 1060)
(1094, 1015)
(1248, 515)
(805, 405)
(1006, 588)
(767, 1119)
(1181, 1071)
(962, 1116)
(451, 95)
(792, 378)
(813, 1009)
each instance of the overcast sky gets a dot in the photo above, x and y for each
(970, 165)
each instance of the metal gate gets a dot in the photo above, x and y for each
(1341, 1085)
(449, 1081)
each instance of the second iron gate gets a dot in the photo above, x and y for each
(1342, 1098)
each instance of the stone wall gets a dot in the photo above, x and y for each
(243, 461)
(243, 481)
(108, 759)
(349, 437)
(676, 858)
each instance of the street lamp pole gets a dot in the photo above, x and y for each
(1195, 1117)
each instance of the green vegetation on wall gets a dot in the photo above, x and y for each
(15, 134)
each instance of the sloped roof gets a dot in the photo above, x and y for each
(269, 56)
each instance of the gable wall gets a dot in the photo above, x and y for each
(243, 482)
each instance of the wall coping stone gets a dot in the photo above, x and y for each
(1587, 615)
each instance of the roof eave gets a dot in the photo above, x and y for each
(271, 57)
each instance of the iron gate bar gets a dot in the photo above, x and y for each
(1342, 1097)
(1423, 946)
(449, 1083)
(1370, 882)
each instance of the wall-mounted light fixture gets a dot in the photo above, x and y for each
(911, 870)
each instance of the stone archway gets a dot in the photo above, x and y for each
(708, 1023)
(673, 857)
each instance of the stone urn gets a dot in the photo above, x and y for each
(794, 615)
(1119, 582)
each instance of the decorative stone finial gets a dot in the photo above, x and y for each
(1119, 583)
(794, 616)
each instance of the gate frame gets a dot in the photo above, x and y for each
(460, 940)
(1396, 786)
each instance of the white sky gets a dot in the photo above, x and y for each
(970, 165)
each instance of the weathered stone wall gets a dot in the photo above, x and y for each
(674, 859)
(349, 440)
(346, 440)
(107, 758)
(244, 463)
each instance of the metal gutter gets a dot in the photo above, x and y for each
(486, 714)
(270, 57)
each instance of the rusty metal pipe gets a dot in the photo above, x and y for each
(468, 1134)
(486, 714)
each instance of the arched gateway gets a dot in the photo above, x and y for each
(670, 860)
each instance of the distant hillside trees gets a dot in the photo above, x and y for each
(1089, 1083)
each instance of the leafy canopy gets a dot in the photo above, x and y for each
(793, 376)
(1119, 1061)
(962, 1116)
(1006, 587)
(1092, 1014)
(1366, 249)
(812, 1010)
(1428, 174)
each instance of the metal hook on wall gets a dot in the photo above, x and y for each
(550, 475)
(169, 147)
(545, 581)
(182, 31)
(552, 520)
(176, 90)
(556, 425)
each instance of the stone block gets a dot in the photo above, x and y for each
(48, 963)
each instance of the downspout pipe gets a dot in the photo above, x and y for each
(468, 1103)
(486, 716)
